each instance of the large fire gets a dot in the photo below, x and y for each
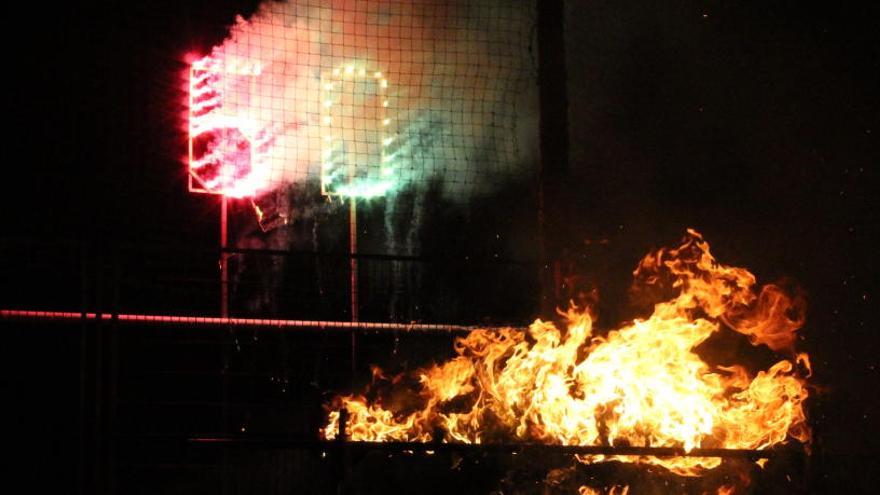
(642, 384)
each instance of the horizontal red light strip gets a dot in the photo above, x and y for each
(219, 321)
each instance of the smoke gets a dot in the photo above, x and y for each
(445, 96)
(394, 98)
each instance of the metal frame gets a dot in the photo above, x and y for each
(399, 447)
(492, 448)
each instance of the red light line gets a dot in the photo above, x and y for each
(16, 314)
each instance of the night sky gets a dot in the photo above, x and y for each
(753, 122)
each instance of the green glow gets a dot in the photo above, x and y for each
(364, 188)
(357, 162)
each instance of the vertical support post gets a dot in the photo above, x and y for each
(353, 249)
(224, 258)
(114, 376)
(344, 486)
(224, 313)
(82, 466)
(553, 133)
(100, 427)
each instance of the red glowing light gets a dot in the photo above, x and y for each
(224, 137)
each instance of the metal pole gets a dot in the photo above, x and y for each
(114, 377)
(224, 313)
(344, 487)
(99, 429)
(498, 448)
(360, 255)
(353, 263)
(224, 259)
(82, 477)
(353, 250)
(553, 132)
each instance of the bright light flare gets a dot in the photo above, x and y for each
(356, 158)
(226, 144)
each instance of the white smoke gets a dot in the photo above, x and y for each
(460, 89)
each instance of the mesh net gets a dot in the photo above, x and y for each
(365, 98)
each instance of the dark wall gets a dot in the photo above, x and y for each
(754, 123)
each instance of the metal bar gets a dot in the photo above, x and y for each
(506, 448)
(353, 266)
(376, 256)
(353, 262)
(98, 405)
(224, 257)
(82, 478)
(553, 147)
(114, 378)
(346, 457)
(15, 314)
(224, 313)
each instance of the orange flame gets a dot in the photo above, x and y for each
(586, 490)
(641, 384)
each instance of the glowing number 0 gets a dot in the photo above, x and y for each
(355, 129)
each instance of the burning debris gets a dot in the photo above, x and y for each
(642, 384)
(614, 490)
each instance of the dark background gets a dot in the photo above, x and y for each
(752, 122)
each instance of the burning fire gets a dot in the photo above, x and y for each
(585, 490)
(642, 384)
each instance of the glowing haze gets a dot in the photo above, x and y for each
(641, 384)
(363, 98)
